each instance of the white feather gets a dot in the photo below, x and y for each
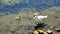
(40, 17)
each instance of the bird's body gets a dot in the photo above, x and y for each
(40, 17)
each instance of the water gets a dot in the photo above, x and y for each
(39, 4)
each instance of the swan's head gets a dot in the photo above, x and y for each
(36, 14)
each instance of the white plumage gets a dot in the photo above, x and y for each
(40, 17)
